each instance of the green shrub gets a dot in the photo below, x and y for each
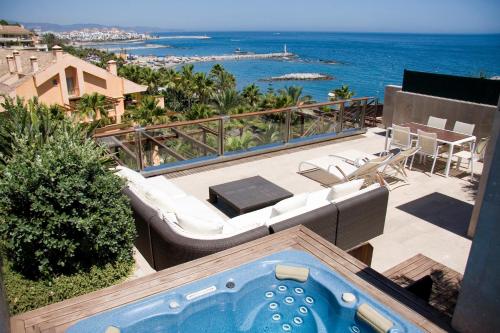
(24, 294)
(61, 209)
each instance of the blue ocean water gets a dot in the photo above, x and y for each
(367, 62)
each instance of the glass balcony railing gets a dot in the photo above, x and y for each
(178, 144)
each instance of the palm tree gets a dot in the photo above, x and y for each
(147, 112)
(252, 95)
(93, 106)
(226, 100)
(242, 142)
(341, 93)
(199, 111)
(223, 80)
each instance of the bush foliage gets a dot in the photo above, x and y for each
(25, 294)
(61, 209)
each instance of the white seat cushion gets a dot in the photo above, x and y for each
(352, 195)
(191, 206)
(340, 190)
(317, 198)
(251, 220)
(289, 204)
(288, 215)
(199, 226)
(166, 186)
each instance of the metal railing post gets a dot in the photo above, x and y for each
(341, 117)
(138, 148)
(222, 134)
(363, 114)
(288, 122)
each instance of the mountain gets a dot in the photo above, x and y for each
(68, 27)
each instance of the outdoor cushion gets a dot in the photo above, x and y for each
(317, 198)
(351, 195)
(199, 226)
(166, 186)
(289, 204)
(340, 190)
(288, 215)
(131, 176)
(250, 220)
(191, 206)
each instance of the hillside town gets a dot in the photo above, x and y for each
(99, 35)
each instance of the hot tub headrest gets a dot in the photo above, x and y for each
(373, 318)
(112, 329)
(284, 272)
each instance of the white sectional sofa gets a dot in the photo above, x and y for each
(170, 221)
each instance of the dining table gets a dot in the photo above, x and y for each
(444, 137)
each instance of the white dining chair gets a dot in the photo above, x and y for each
(478, 155)
(427, 142)
(401, 137)
(463, 128)
(437, 122)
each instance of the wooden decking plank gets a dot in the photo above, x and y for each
(402, 265)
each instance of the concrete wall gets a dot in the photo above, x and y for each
(478, 304)
(401, 106)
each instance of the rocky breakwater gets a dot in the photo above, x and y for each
(300, 77)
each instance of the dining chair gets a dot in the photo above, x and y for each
(463, 128)
(478, 155)
(437, 122)
(427, 142)
(401, 137)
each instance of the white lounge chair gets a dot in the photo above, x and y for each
(346, 169)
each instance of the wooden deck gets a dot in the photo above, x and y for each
(445, 286)
(57, 317)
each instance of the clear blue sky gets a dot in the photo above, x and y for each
(439, 16)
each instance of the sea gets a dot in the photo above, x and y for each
(366, 62)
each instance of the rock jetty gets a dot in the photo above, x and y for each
(300, 77)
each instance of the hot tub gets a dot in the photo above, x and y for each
(252, 298)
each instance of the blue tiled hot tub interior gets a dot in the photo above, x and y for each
(250, 299)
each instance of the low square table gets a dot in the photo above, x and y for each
(248, 194)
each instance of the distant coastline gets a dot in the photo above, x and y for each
(300, 77)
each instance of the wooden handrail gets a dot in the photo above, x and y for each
(236, 116)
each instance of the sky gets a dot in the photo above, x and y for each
(419, 16)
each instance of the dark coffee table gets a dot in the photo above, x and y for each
(247, 194)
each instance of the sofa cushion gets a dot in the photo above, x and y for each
(191, 206)
(131, 176)
(287, 215)
(251, 220)
(289, 204)
(340, 190)
(318, 198)
(352, 195)
(167, 187)
(199, 226)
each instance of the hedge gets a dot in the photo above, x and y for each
(24, 294)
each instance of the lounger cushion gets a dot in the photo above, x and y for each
(199, 226)
(340, 190)
(289, 204)
(288, 215)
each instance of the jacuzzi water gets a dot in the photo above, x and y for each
(250, 299)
